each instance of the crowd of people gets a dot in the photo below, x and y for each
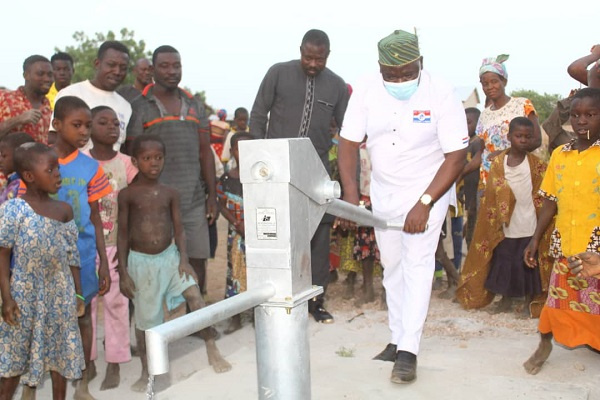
(111, 192)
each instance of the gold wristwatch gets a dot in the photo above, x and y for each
(426, 200)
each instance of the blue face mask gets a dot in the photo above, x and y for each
(402, 90)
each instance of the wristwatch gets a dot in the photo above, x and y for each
(426, 200)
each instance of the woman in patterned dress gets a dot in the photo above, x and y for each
(492, 126)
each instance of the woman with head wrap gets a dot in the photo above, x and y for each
(500, 109)
(222, 115)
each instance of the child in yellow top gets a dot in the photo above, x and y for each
(571, 191)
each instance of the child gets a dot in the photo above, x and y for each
(365, 251)
(337, 236)
(470, 173)
(153, 263)
(8, 144)
(218, 132)
(240, 124)
(505, 224)
(570, 192)
(41, 296)
(240, 120)
(120, 172)
(83, 184)
(229, 192)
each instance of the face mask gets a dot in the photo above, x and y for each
(402, 90)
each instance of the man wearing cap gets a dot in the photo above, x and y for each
(417, 135)
(299, 98)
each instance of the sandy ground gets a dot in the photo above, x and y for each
(464, 355)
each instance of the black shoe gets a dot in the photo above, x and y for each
(320, 314)
(388, 354)
(405, 368)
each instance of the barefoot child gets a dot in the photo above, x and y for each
(153, 263)
(83, 184)
(41, 295)
(8, 144)
(570, 190)
(120, 172)
(231, 201)
(505, 224)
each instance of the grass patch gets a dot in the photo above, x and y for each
(345, 352)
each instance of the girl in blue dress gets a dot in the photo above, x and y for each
(40, 285)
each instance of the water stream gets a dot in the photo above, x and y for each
(150, 388)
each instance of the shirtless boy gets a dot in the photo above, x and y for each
(152, 268)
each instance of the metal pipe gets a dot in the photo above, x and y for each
(282, 352)
(360, 215)
(159, 337)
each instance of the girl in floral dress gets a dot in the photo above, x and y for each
(40, 287)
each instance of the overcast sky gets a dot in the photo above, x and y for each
(227, 46)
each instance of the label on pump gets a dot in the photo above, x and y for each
(266, 223)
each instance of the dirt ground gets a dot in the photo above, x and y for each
(464, 355)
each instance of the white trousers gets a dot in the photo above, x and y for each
(409, 263)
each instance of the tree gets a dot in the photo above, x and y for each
(201, 97)
(85, 50)
(543, 103)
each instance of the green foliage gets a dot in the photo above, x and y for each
(85, 50)
(345, 352)
(543, 103)
(201, 95)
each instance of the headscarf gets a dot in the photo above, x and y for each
(222, 114)
(495, 65)
(399, 48)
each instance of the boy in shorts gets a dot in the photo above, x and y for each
(151, 247)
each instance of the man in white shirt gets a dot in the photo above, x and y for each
(417, 138)
(111, 69)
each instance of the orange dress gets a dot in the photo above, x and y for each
(572, 310)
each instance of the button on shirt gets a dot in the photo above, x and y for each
(572, 180)
(407, 139)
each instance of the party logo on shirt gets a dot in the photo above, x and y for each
(422, 116)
